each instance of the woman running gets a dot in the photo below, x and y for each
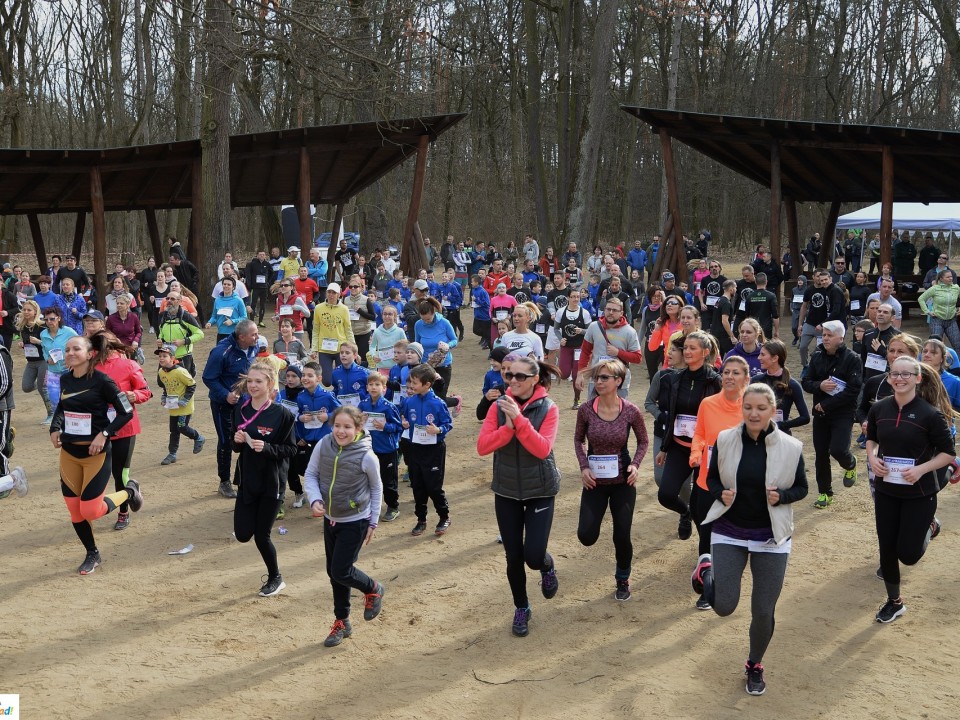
(651, 405)
(82, 431)
(680, 396)
(908, 442)
(571, 325)
(608, 473)
(789, 394)
(265, 442)
(665, 327)
(522, 340)
(717, 413)
(344, 488)
(29, 324)
(751, 340)
(756, 473)
(54, 338)
(128, 376)
(520, 429)
(936, 356)
(653, 359)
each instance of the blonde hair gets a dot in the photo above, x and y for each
(532, 310)
(752, 322)
(261, 366)
(19, 321)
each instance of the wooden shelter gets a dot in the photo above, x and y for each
(804, 161)
(302, 166)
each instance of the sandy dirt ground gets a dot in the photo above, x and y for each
(151, 635)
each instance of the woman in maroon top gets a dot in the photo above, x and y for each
(608, 474)
(126, 325)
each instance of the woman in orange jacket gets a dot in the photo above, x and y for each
(666, 325)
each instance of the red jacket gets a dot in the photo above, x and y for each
(491, 281)
(494, 436)
(129, 378)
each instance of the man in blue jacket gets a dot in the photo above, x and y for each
(637, 258)
(228, 360)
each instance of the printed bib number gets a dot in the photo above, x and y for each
(386, 355)
(159, 302)
(576, 354)
(876, 362)
(286, 310)
(896, 466)
(779, 416)
(604, 466)
(501, 314)
(742, 306)
(30, 350)
(798, 299)
(841, 386)
(351, 399)
(225, 312)
(290, 405)
(292, 358)
(854, 304)
(371, 418)
(56, 355)
(422, 437)
(172, 402)
(329, 345)
(75, 423)
(712, 300)
(445, 302)
(314, 423)
(540, 328)
(354, 315)
(685, 425)
(261, 279)
(111, 413)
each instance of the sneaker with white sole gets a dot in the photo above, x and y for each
(623, 590)
(20, 485)
(90, 563)
(756, 685)
(890, 611)
(391, 514)
(272, 586)
(299, 500)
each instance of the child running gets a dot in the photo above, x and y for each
(382, 421)
(344, 488)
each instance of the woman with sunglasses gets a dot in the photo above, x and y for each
(520, 429)
(908, 443)
(648, 321)
(53, 341)
(290, 304)
(665, 327)
(363, 316)
(608, 473)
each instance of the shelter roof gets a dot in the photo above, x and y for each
(264, 168)
(821, 162)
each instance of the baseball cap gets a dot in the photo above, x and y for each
(169, 348)
(293, 248)
(95, 314)
(335, 287)
(668, 276)
(421, 285)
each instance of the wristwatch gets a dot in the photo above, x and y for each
(105, 434)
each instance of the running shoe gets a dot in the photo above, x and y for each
(442, 526)
(623, 590)
(880, 573)
(704, 563)
(391, 514)
(226, 489)
(419, 529)
(198, 444)
(521, 620)
(703, 603)
(272, 586)
(576, 405)
(372, 602)
(890, 611)
(90, 563)
(823, 500)
(499, 539)
(281, 513)
(152, 331)
(170, 459)
(261, 324)
(136, 497)
(934, 528)
(755, 682)
(406, 476)
(299, 500)
(47, 420)
(850, 476)
(458, 407)
(341, 629)
(796, 341)
(685, 527)
(549, 584)
(123, 521)
(22, 487)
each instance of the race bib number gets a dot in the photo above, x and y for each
(225, 312)
(385, 355)
(685, 425)
(798, 299)
(172, 402)
(779, 416)
(712, 300)
(290, 405)
(445, 302)
(604, 466)
(286, 310)
(876, 362)
(742, 306)
(292, 358)
(422, 437)
(351, 399)
(896, 466)
(841, 386)
(75, 423)
(501, 315)
(158, 302)
(111, 413)
(30, 350)
(540, 328)
(261, 279)
(371, 418)
(854, 304)
(56, 355)
(314, 423)
(329, 345)
(576, 354)
(354, 315)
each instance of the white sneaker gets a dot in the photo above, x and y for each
(152, 331)
(19, 481)
(298, 501)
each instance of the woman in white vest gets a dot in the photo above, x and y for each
(756, 473)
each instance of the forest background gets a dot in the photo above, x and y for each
(545, 148)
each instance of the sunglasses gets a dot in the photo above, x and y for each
(354, 287)
(508, 376)
(605, 378)
(286, 285)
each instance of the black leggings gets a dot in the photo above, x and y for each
(122, 457)
(363, 347)
(525, 529)
(258, 302)
(676, 473)
(831, 438)
(700, 503)
(903, 527)
(445, 372)
(453, 315)
(342, 542)
(621, 498)
(180, 425)
(253, 517)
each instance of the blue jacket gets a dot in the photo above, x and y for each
(317, 272)
(482, 310)
(350, 381)
(452, 293)
(637, 259)
(396, 380)
(388, 439)
(951, 384)
(72, 320)
(424, 409)
(433, 288)
(491, 380)
(226, 363)
(233, 303)
(318, 400)
(45, 300)
(431, 334)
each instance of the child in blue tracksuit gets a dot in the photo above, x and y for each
(350, 379)
(397, 379)
(451, 298)
(426, 421)
(314, 407)
(383, 424)
(480, 302)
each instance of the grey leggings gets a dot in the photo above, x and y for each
(35, 378)
(768, 570)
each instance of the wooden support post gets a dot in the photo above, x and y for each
(673, 203)
(829, 233)
(793, 236)
(662, 252)
(196, 243)
(886, 208)
(334, 242)
(303, 206)
(38, 246)
(776, 194)
(413, 256)
(99, 235)
(78, 235)
(154, 230)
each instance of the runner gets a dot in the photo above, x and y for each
(571, 325)
(29, 324)
(751, 340)
(789, 394)
(609, 336)
(608, 473)
(522, 340)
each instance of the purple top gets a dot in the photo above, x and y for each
(609, 437)
(127, 332)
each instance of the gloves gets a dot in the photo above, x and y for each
(182, 402)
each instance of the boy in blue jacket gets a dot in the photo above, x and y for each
(350, 379)
(314, 407)
(480, 302)
(383, 424)
(426, 422)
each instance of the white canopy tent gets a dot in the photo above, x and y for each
(906, 216)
